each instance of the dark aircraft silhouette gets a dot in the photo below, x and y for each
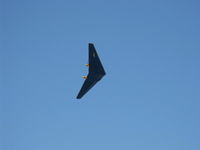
(96, 72)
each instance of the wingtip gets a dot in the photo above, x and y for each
(78, 97)
(91, 44)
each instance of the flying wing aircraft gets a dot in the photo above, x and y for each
(96, 71)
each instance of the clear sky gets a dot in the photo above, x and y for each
(149, 99)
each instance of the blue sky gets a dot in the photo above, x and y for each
(149, 98)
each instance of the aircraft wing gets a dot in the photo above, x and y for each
(96, 71)
(87, 85)
(95, 65)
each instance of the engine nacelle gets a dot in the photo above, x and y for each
(84, 77)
